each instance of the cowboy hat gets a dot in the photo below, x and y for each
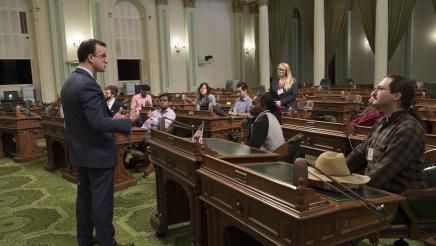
(335, 165)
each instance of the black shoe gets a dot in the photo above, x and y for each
(127, 244)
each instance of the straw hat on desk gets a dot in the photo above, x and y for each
(335, 165)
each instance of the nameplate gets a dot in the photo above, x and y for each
(240, 176)
(229, 103)
(190, 112)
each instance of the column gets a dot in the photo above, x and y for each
(238, 13)
(164, 43)
(264, 59)
(381, 41)
(254, 22)
(191, 57)
(318, 43)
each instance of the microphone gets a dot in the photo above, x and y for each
(181, 124)
(371, 206)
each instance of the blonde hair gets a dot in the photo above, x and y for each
(288, 79)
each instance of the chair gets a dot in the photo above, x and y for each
(325, 84)
(288, 151)
(260, 89)
(431, 87)
(416, 218)
(349, 81)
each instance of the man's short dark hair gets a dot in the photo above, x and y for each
(165, 95)
(145, 88)
(87, 47)
(243, 86)
(113, 89)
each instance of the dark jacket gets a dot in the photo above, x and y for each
(88, 123)
(115, 107)
(288, 98)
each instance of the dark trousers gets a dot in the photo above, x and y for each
(95, 205)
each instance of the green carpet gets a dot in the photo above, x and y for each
(38, 208)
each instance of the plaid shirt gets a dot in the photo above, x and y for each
(393, 153)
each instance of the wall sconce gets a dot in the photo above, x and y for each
(178, 46)
(248, 50)
(77, 43)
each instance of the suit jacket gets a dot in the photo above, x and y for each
(115, 107)
(88, 123)
(288, 98)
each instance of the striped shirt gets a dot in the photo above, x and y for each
(392, 154)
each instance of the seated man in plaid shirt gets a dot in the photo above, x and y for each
(393, 153)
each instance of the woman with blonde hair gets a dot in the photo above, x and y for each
(284, 89)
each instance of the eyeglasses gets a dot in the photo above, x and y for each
(102, 56)
(281, 69)
(380, 88)
(239, 91)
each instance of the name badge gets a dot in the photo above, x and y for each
(280, 91)
(370, 154)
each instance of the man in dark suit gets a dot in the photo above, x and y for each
(91, 145)
(110, 93)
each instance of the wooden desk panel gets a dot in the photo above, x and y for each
(54, 132)
(214, 126)
(177, 183)
(272, 211)
(23, 132)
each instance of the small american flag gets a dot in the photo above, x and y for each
(198, 135)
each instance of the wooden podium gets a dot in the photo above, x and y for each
(178, 185)
(54, 133)
(258, 204)
(18, 137)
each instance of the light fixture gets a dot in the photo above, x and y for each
(76, 43)
(178, 46)
(248, 48)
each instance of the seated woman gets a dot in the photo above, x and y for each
(266, 132)
(204, 97)
(284, 89)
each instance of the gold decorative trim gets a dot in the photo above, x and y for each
(189, 3)
(161, 2)
(238, 6)
(263, 2)
(254, 8)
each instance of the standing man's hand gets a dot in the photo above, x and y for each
(133, 116)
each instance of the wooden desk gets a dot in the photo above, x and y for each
(214, 126)
(54, 133)
(319, 136)
(339, 109)
(259, 204)
(19, 135)
(57, 149)
(177, 184)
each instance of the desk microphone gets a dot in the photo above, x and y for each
(371, 206)
(181, 124)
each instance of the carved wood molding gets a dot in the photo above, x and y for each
(238, 6)
(189, 3)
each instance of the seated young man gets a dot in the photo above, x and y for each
(164, 111)
(141, 99)
(393, 153)
(110, 93)
(241, 106)
(266, 132)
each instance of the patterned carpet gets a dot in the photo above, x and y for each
(38, 208)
